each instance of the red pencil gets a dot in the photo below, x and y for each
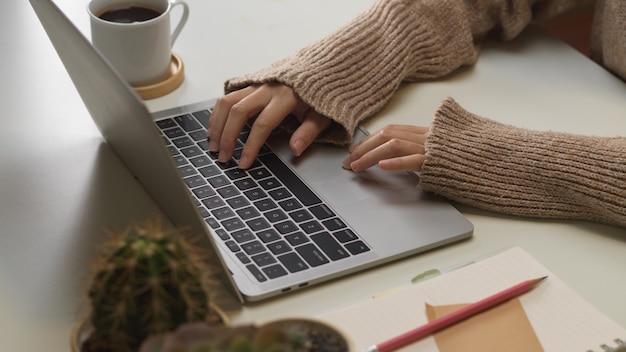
(454, 317)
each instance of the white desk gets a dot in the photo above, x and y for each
(60, 184)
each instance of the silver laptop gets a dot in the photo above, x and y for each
(284, 224)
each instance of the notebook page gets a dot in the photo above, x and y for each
(562, 320)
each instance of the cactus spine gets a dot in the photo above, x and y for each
(148, 280)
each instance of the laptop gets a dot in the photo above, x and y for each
(286, 223)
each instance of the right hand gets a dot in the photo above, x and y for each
(272, 102)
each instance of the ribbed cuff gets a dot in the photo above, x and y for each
(493, 166)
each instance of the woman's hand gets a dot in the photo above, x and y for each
(271, 103)
(395, 147)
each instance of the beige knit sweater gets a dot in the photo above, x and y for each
(353, 72)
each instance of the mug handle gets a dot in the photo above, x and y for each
(183, 18)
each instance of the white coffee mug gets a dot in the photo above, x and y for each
(135, 36)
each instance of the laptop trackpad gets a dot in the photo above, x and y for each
(386, 208)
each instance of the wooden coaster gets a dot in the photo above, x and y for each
(173, 81)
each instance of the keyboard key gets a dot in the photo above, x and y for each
(259, 173)
(228, 191)
(290, 204)
(345, 235)
(173, 150)
(329, 246)
(192, 151)
(243, 258)
(213, 202)
(357, 247)
(203, 192)
(173, 133)
(258, 224)
(195, 181)
(264, 259)
(300, 215)
(279, 247)
(236, 174)
(253, 247)
(265, 204)
(182, 142)
(269, 183)
(255, 194)
(248, 213)
(322, 212)
(312, 255)
(297, 238)
(311, 227)
(286, 227)
(293, 262)
(227, 164)
(186, 170)
(203, 117)
(219, 181)
(275, 215)
(223, 213)
(334, 224)
(203, 144)
(199, 135)
(274, 271)
(179, 160)
(238, 202)
(242, 236)
(200, 161)
(268, 235)
(209, 171)
(232, 224)
(188, 122)
(245, 184)
(166, 123)
(212, 222)
(258, 275)
(222, 234)
(279, 193)
(232, 246)
(289, 179)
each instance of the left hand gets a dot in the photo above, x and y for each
(395, 147)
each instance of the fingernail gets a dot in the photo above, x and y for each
(243, 162)
(346, 164)
(299, 147)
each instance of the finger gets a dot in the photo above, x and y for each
(250, 106)
(220, 113)
(371, 142)
(412, 162)
(312, 125)
(271, 116)
(391, 149)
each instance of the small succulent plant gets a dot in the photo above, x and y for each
(290, 335)
(200, 337)
(147, 280)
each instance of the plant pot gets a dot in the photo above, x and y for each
(322, 336)
(82, 328)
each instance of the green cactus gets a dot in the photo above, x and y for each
(148, 280)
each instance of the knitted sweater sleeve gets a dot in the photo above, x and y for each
(483, 163)
(352, 73)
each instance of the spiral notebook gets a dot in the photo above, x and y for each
(557, 317)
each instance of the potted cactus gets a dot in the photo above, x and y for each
(284, 335)
(147, 280)
(150, 291)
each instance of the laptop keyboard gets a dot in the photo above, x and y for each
(266, 216)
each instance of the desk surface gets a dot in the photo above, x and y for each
(61, 184)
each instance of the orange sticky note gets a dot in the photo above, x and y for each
(501, 328)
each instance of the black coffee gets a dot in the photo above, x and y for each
(129, 14)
